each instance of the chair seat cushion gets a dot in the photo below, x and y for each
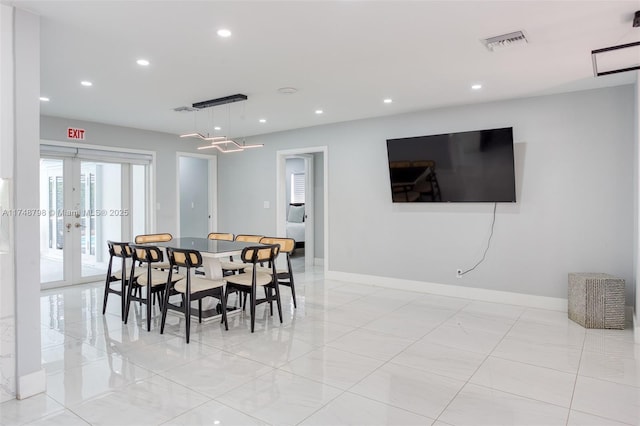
(233, 266)
(161, 265)
(245, 279)
(198, 284)
(158, 278)
(267, 270)
(136, 273)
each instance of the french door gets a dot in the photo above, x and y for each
(83, 203)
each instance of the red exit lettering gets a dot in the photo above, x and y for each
(75, 133)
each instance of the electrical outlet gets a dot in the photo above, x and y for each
(458, 273)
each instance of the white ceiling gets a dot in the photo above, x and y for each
(343, 57)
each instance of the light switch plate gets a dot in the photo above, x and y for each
(266, 204)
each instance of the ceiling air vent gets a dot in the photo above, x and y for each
(506, 40)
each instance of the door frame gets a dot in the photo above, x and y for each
(68, 177)
(213, 188)
(281, 191)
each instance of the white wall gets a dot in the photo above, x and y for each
(163, 144)
(574, 188)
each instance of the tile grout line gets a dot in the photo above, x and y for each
(479, 366)
(575, 382)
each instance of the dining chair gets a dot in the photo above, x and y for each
(284, 276)
(123, 251)
(250, 281)
(155, 238)
(220, 236)
(153, 281)
(192, 288)
(231, 266)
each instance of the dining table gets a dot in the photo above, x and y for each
(212, 251)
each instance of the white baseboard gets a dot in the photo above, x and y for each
(318, 261)
(486, 295)
(31, 384)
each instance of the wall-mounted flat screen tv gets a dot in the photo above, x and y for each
(474, 166)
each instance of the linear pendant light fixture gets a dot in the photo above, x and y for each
(620, 58)
(221, 143)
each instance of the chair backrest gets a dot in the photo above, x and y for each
(286, 244)
(260, 254)
(153, 238)
(220, 236)
(145, 253)
(249, 238)
(119, 249)
(185, 258)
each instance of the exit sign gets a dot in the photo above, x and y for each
(73, 133)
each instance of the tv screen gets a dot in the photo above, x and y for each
(474, 166)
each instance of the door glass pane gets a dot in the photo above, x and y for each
(138, 199)
(52, 232)
(100, 214)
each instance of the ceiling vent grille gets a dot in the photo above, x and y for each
(506, 40)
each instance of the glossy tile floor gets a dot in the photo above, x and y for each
(349, 354)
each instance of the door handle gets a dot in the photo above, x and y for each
(77, 225)
(68, 226)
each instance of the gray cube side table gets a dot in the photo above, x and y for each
(596, 300)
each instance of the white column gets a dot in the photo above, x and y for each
(30, 376)
(7, 282)
(636, 195)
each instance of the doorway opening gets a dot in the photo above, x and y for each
(305, 221)
(196, 193)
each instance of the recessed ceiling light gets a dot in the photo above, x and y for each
(217, 128)
(319, 111)
(476, 86)
(44, 99)
(388, 101)
(86, 83)
(224, 32)
(262, 120)
(142, 62)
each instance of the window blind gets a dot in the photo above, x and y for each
(297, 187)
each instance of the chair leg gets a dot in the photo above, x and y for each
(253, 310)
(128, 300)
(278, 302)
(267, 295)
(123, 288)
(187, 314)
(164, 307)
(223, 302)
(200, 311)
(106, 295)
(149, 294)
(293, 290)
(123, 299)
